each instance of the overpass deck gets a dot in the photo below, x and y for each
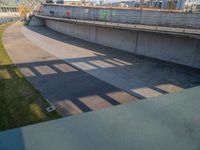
(166, 122)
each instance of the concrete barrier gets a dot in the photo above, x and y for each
(181, 50)
(147, 17)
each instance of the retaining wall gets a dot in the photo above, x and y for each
(181, 50)
(159, 18)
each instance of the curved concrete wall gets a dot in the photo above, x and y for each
(179, 50)
(160, 18)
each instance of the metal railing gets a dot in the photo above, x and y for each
(125, 24)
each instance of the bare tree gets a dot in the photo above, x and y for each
(30, 3)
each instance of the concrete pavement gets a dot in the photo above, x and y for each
(121, 69)
(78, 76)
(68, 88)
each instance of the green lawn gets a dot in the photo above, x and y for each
(20, 103)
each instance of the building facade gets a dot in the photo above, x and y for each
(190, 5)
(8, 6)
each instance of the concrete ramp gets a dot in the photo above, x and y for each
(77, 76)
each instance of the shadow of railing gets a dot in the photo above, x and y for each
(74, 91)
(104, 78)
